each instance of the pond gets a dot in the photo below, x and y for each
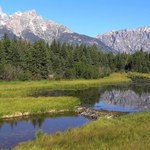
(16, 131)
(134, 97)
(125, 98)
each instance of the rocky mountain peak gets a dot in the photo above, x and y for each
(18, 13)
(30, 26)
(128, 40)
(31, 12)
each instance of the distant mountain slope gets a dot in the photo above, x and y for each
(127, 41)
(75, 38)
(32, 27)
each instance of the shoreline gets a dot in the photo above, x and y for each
(80, 110)
(15, 101)
(28, 115)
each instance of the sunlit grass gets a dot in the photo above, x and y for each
(137, 75)
(15, 96)
(13, 89)
(127, 132)
(124, 133)
(9, 106)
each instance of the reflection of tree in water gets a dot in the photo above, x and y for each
(92, 95)
(12, 123)
(137, 88)
(141, 88)
(1, 125)
(37, 122)
(132, 95)
(89, 96)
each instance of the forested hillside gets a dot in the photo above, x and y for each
(22, 60)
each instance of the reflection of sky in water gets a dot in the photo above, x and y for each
(104, 106)
(123, 101)
(121, 98)
(23, 130)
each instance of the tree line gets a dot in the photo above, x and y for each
(23, 60)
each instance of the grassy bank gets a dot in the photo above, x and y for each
(23, 89)
(14, 96)
(14, 106)
(123, 133)
(137, 75)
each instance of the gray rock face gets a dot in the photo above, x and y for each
(32, 27)
(74, 38)
(5, 30)
(128, 41)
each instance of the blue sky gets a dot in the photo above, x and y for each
(90, 17)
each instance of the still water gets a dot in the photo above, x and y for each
(125, 98)
(134, 97)
(16, 131)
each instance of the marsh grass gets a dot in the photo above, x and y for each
(17, 88)
(137, 75)
(15, 96)
(124, 133)
(9, 106)
(38, 134)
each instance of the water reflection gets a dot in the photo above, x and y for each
(135, 95)
(126, 101)
(16, 131)
(122, 97)
(36, 120)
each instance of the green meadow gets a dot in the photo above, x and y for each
(26, 105)
(126, 132)
(15, 96)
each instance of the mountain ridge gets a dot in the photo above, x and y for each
(127, 40)
(32, 27)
